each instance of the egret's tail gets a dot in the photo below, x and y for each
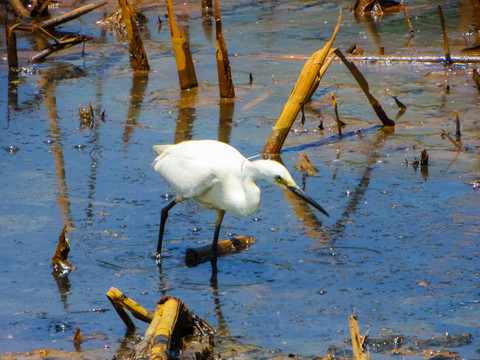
(161, 148)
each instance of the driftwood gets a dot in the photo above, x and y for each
(445, 134)
(308, 80)
(183, 57)
(194, 257)
(386, 121)
(225, 82)
(60, 258)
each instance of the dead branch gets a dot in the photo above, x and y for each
(225, 82)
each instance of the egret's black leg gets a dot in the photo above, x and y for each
(213, 256)
(163, 219)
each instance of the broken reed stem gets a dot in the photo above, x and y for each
(404, 8)
(225, 82)
(183, 57)
(458, 133)
(137, 51)
(19, 9)
(458, 147)
(358, 345)
(334, 101)
(448, 60)
(386, 121)
(71, 15)
(121, 312)
(309, 78)
(12, 48)
(476, 78)
(125, 302)
(163, 332)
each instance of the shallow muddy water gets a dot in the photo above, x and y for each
(400, 250)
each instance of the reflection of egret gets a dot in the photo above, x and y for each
(217, 176)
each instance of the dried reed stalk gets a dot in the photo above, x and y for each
(357, 340)
(137, 51)
(183, 57)
(386, 121)
(448, 60)
(308, 80)
(225, 82)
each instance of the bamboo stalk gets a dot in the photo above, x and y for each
(225, 82)
(386, 121)
(137, 51)
(306, 83)
(183, 56)
(448, 60)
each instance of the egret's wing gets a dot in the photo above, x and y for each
(186, 173)
(161, 148)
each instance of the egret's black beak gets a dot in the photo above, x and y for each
(300, 193)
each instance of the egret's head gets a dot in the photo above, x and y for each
(278, 175)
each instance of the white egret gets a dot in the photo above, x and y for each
(217, 176)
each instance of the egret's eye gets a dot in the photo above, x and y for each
(278, 178)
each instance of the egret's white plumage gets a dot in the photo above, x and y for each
(217, 176)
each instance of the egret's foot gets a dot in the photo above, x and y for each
(158, 259)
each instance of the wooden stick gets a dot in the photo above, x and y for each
(448, 60)
(59, 45)
(135, 308)
(308, 79)
(225, 82)
(386, 121)
(137, 51)
(183, 56)
(194, 257)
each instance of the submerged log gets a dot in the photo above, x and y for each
(194, 257)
